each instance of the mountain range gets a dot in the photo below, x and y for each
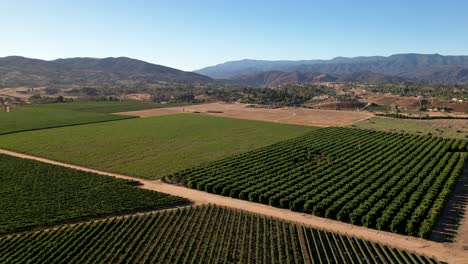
(432, 68)
(20, 71)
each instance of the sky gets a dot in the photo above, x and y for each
(189, 35)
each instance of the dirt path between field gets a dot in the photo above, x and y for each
(447, 252)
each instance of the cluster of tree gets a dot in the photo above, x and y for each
(39, 99)
(418, 89)
(281, 95)
(177, 95)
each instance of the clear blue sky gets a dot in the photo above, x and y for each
(193, 34)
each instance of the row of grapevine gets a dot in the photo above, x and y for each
(35, 194)
(201, 234)
(441, 198)
(370, 178)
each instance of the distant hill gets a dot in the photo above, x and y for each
(280, 77)
(19, 71)
(419, 67)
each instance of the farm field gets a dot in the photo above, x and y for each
(217, 235)
(35, 194)
(452, 128)
(33, 118)
(287, 115)
(109, 106)
(151, 147)
(386, 181)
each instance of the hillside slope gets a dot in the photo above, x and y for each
(280, 77)
(422, 67)
(20, 71)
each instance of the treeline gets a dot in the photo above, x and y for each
(417, 89)
(426, 117)
(40, 99)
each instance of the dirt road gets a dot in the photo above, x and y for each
(451, 253)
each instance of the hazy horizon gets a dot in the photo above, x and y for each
(190, 36)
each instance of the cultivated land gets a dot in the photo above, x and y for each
(440, 127)
(108, 106)
(447, 252)
(217, 235)
(36, 194)
(151, 147)
(288, 115)
(387, 181)
(32, 118)
(365, 174)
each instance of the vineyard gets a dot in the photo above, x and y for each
(202, 234)
(36, 194)
(388, 181)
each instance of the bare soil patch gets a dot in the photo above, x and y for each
(447, 252)
(288, 115)
(404, 102)
(138, 97)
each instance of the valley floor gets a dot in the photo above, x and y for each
(448, 252)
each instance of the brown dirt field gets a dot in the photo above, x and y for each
(455, 106)
(405, 102)
(138, 97)
(447, 252)
(289, 115)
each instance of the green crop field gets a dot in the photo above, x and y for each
(108, 106)
(452, 128)
(202, 234)
(388, 181)
(33, 117)
(151, 147)
(36, 194)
